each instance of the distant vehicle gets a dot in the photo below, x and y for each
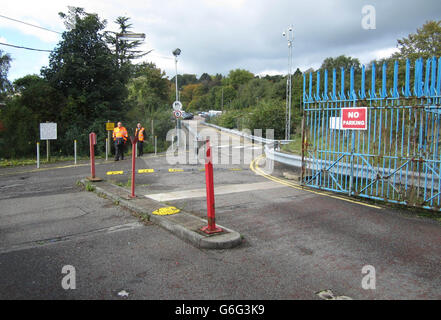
(187, 115)
(214, 113)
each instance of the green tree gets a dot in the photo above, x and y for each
(238, 77)
(148, 92)
(5, 63)
(341, 61)
(426, 42)
(124, 49)
(83, 68)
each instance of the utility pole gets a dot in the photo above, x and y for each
(176, 53)
(290, 37)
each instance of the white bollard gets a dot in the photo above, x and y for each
(38, 155)
(75, 151)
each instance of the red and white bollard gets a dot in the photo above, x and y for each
(92, 143)
(211, 227)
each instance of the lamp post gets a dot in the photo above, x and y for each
(290, 37)
(176, 53)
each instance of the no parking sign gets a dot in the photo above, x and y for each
(177, 114)
(354, 118)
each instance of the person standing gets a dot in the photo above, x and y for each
(140, 134)
(120, 138)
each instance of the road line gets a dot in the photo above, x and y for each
(218, 190)
(256, 169)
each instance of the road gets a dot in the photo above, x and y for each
(296, 242)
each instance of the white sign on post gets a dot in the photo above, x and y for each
(335, 123)
(177, 106)
(48, 131)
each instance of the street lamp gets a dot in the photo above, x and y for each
(290, 37)
(176, 53)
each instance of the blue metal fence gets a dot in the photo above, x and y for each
(397, 158)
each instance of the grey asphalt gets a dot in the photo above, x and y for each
(296, 242)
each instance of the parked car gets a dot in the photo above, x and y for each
(187, 115)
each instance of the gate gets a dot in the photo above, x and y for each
(396, 157)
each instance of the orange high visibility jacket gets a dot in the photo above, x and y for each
(120, 133)
(140, 134)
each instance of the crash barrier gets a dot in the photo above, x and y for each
(378, 144)
(248, 136)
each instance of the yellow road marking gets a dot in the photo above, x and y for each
(255, 168)
(146, 170)
(175, 170)
(166, 211)
(114, 172)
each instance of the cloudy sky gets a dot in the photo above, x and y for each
(216, 36)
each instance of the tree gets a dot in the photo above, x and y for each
(124, 49)
(5, 63)
(426, 42)
(148, 91)
(341, 61)
(83, 68)
(238, 77)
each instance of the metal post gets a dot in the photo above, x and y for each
(92, 154)
(152, 129)
(92, 143)
(75, 151)
(38, 155)
(133, 168)
(107, 149)
(211, 227)
(289, 35)
(155, 145)
(108, 142)
(47, 150)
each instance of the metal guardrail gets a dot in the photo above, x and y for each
(248, 136)
(285, 158)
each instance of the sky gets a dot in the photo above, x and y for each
(216, 36)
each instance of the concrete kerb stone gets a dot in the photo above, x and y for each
(188, 230)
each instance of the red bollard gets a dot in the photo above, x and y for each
(134, 140)
(92, 143)
(211, 227)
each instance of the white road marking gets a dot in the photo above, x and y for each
(218, 190)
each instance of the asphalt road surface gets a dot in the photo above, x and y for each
(296, 243)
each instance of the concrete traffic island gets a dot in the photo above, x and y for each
(182, 224)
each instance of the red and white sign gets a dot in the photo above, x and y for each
(177, 113)
(354, 118)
